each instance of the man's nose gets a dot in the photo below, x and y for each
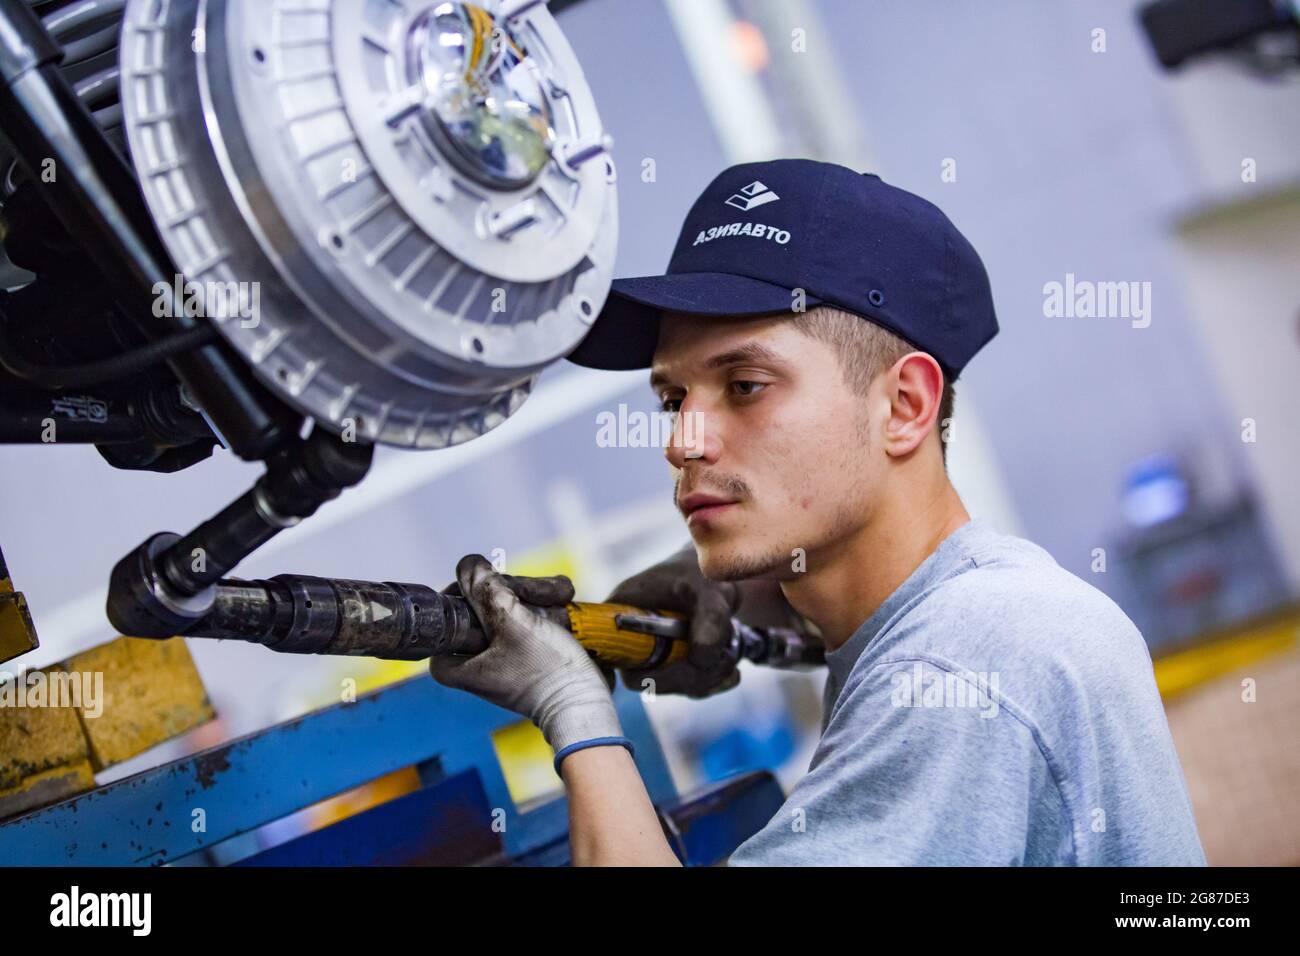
(693, 438)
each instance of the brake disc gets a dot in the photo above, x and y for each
(398, 211)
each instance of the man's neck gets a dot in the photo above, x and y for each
(848, 581)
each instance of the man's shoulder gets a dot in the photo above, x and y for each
(1009, 603)
(1019, 584)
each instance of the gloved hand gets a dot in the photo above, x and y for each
(677, 584)
(533, 665)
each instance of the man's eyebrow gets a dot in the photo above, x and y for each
(749, 352)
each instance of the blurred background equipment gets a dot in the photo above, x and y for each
(1265, 34)
(1196, 560)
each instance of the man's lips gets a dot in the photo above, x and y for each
(703, 505)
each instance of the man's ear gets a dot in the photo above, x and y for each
(915, 389)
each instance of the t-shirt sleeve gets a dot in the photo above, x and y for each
(918, 767)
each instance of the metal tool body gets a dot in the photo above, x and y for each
(299, 614)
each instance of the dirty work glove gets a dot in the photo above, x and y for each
(677, 584)
(532, 665)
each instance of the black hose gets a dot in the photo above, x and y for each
(100, 88)
(78, 15)
(89, 47)
(56, 377)
(110, 117)
(82, 20)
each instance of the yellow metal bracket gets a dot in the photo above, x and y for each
(17, 632)
(61, 725)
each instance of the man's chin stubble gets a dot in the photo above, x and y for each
(778, 562)
(743, 566)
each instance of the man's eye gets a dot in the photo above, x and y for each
(746, 388)
(671, 405)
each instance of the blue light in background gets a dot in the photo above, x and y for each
(1155, 491)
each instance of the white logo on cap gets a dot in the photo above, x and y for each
(753, 196)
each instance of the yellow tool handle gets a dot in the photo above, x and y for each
(594, 626)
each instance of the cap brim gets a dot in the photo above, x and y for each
(626, 333)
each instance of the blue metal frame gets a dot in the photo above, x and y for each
(445, 824)
(150, 818)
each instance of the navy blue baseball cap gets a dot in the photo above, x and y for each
(762, 231)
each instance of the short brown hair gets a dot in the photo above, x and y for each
(866, 349)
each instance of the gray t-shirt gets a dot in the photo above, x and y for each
(996, 710)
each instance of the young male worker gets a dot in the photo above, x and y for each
(983, 706)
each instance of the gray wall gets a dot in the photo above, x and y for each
(1067, 161)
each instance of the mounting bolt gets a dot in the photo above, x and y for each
(506, 223)
(575, 155)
